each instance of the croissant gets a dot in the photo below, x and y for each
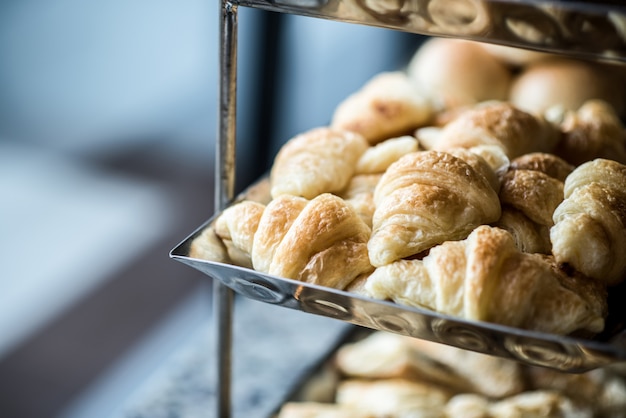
(318, 161)
(589, 231)
(593, 131)
(393, 397)
(498, 123)
(540, 403)
(387, 106)
(321, 241)
(426, 198)
(236, 227)
(383, 355)
(376, 159)
(529, 195)
(360, 194)
(486, 278)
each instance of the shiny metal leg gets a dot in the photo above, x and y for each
(224, 191)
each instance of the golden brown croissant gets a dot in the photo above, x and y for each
(360, 194)
(589, 231)
(501, 124)
(486, 278)
(321, 241)
(426, 198)
(393, 397)
(387, 106)
(531, 189)
(535, 404)
(379, 157)
(315, 162)
(593, 131)
(236, 227)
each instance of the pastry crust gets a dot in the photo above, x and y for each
(360, 194)
(498, 123)
(477, 277)
(387, 106)
(379, 157)
(592, 131)
(424, 199)
(318, 161)
(589, 231)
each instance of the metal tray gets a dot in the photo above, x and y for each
(563, 353)
(593, 29)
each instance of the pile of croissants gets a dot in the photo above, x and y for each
(465, 184)
(392, 376)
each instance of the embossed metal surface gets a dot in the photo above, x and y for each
(557, 352)
(583, 28)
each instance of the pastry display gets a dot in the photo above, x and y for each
(387, 375)
(443, 187)
(486, 278)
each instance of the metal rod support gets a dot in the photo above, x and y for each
(223, 297)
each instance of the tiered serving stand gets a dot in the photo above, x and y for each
(591, 30)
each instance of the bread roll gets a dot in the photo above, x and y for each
(566, 83)
(455, 72)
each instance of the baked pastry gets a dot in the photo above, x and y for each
(566, 83)
(532, 188)
(426, 198)
(544, 404)
(318, 161)
(486, 278)
(592, 131)
(502, 124)
(387, 106)
(322, 410)
(236, 227)
(360, 194)
(589, 232)
(321, 241)
(456, 72)
(383, 355)
(376, 159)
(393, 397)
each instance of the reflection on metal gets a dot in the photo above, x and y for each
(583, 28)
(224, 191)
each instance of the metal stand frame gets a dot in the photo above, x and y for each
(223, 297)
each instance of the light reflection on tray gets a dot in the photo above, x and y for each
(558, 352)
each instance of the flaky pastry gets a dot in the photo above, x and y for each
(318, 161)
(592, 131)
(498, 123)
(379, 157)
(426, 198)
(321, 241)
(589, 231)
(387, 106)
(486, 278)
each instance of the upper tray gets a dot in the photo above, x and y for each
(592, 29)
(534, 348)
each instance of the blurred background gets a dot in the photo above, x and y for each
(107, 131)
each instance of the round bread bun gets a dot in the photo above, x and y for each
(456, 72)
(516, 57)
(566, 83)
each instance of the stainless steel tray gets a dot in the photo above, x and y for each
(595, 29)
(534, 348)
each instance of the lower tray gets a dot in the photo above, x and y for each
(534, 348)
